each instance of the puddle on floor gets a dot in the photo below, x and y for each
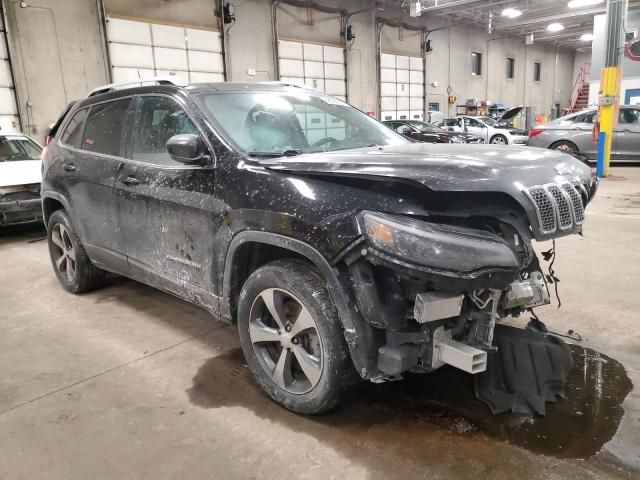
(408, 411)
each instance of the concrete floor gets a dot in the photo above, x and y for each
(128, 382)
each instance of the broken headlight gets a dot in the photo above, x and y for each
(437, 246)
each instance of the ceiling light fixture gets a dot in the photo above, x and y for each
(511, 12)
(555, 27)
(586, 37)
(583, 3)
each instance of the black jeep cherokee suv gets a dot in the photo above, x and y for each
(338, 247)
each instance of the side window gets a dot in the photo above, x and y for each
(72, 134)
(103, 129)
(584, 117)
(157, 120)
(471, 122)
(401, 127)
(629, 115)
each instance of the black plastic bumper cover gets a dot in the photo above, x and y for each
(528, 370)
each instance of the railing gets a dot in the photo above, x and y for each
(583, 75)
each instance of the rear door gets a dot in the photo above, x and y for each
(87, 161)
(626, 140)
(167, 208)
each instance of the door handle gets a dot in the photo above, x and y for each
(129, 180)
(69, 167)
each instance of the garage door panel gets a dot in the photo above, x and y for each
(121, 75)
(315, 83)
(334, 71)
(205, 77)
(403, 115)
(416, 115)
(313, 69)
(388, 103)
(291, 68)
(333, 54)
(402, 90)
(171, 59)
(9, 122)
(387, 61)
(290, 50)
(7, 102)
(415, 63)
(402, 62)
(166, 36)
(293, 80)
(416, 90)
(178, 74)
(415, 103)
(403, 103)
(128, 31)
(4, 55)
(388, 89)
(402, 76)
(5, 74)
(205, 62)
(205, 40)
(335, 87)
(123, 55)
(416, 77)
(312, 52)
(388, 75)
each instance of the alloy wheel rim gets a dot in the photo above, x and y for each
(285, 339)
(499, 141)
(64, 253)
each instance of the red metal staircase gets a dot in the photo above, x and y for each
(580, 96)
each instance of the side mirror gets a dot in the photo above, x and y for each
(188, 149)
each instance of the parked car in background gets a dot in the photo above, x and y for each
(434, 117)
(574, 134)
(424, 132)
(497, 132)
(19, 179)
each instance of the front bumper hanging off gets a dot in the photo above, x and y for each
(20, 211)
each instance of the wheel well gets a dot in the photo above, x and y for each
(554, 145)
(497, 135)
(249, 257)
(50, 205)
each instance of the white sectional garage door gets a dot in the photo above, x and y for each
(141, 49)
(401, 87)
(317, 66)
(8, 108)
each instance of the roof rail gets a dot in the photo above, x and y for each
(157, 80)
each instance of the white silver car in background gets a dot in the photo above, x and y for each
(20, 176)
(497, 132)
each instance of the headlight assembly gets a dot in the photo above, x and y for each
(436, 246)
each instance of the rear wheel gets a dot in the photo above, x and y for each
(292, 338)
(70, 262)
(565, 146)
(499, 140)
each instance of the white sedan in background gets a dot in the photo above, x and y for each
(20, 176)
(497, 132)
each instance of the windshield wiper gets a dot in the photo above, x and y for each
(292, 152)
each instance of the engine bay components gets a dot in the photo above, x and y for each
(432, 306)
(528, 293)
(457, 354)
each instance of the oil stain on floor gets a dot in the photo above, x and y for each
(575, 427)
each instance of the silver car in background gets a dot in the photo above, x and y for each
(574, 133)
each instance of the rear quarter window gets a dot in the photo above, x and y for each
(104, 126)
(72, 134)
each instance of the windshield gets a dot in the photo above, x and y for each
(488, 120)
(426, 127)
(293, 122)
(18, 148)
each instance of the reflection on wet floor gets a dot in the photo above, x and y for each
(575, 427)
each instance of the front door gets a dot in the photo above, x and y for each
(626, 138)
(167, 208)
(476, 128)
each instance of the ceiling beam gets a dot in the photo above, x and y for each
(550, 18)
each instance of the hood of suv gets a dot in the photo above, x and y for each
(445, 167)
(520, 172)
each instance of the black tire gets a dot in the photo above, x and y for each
(85, 276)
(499, 140)
(296, 283)
(565, 146)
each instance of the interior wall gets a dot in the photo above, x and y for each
(198, 13)
(57, 55)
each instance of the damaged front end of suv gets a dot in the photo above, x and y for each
(433, 285)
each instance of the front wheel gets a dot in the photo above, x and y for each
(498, 140)
(292, 338)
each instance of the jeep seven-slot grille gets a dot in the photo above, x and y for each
(559, 206)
